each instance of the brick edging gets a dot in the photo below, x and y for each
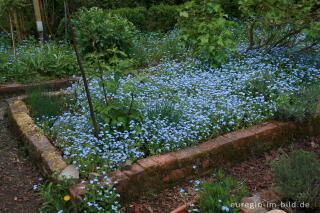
(158, 172)
(8, 89)
(43, 153)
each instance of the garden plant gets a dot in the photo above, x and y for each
(214, 69)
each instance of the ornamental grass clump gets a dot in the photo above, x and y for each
(43, 105)
(298, 177)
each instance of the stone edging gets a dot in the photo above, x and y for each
(155, 173)
(43, 153)
(7, 89)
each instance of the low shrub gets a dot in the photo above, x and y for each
(138, 16)
(98, 31)
(162, 18)
(156, 18)
(301, 106)
(298, 177)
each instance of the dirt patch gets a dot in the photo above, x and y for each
(17, 174)
(255, 172)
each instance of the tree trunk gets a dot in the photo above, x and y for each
(16, 23)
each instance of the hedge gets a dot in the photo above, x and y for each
(156, 18)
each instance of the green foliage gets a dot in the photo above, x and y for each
(101, 33)
(207, 29)
(156, 18)
(163, 17)
(275, 23)
(166, 111)
(138, 16)
(301, 106)
(39, 61)
(220, 195)
(99, 199)
(298, 177)
(113, 111)
(43, 105)
(151, 48)
(259, 85)
(55, 196)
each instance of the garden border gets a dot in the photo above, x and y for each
(7, 89)
(157, 172)
(43, 153)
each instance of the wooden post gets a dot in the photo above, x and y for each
(38, 19)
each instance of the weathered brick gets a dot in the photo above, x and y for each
(177, 174)
(76, 191)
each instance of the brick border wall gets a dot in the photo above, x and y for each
(22, 88)
(43, 153)
(158, 172)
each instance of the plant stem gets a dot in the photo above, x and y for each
(75, 45)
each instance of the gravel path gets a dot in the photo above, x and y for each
(17, 173)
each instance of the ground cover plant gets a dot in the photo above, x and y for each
(203, 79)
(218, 194)
(180, 104)
(176, 103)
(35, 62)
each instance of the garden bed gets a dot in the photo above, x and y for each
(8, 89)
(161, 171)
(156, 127)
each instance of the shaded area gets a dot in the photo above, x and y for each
(17, 174)
(255, 172)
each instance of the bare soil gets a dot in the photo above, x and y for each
(17, 173)
(255, 172)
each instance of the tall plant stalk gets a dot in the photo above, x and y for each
(75, 46)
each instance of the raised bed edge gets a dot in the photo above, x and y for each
(8, 89)
(42, 152)
(158, 172)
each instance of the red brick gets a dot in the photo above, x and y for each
(116, 176)
(147, 163)
(177, 174)
(214, 143)
(135, 170)
(77, 191)
(190, 156)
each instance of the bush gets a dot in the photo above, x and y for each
(138, 16)
(97, 30)
(298, 177)
(162, 17)
(157, 18)
(221, 195)
(208, 30)
(301, 106)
